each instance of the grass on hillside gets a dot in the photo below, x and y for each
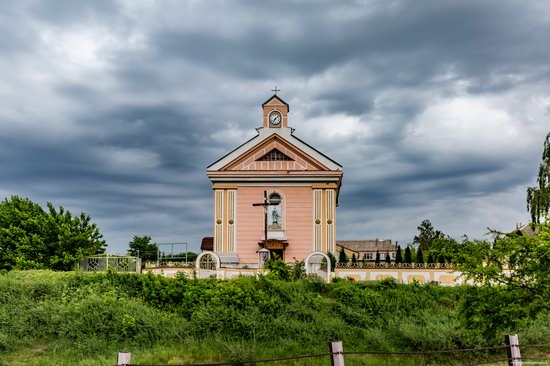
(54, 318)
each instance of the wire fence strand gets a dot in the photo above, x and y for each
(426, 352)
(372, 353)
(245, 362)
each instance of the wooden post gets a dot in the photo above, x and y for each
(514, 355)
(124, 358)
(337, 356)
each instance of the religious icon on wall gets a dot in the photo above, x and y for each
(275, 217)
(275, 214)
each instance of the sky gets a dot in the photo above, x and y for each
(436, 109)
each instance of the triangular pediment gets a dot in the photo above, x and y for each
(274, 153)
(275, 100)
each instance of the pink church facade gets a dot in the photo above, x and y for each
(299, 184)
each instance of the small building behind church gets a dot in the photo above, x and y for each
(365, 250)
(273, 194)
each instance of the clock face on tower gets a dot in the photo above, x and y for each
(275, 118)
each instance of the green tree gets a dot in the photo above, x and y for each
(512, 275)
(430, 258)
(527, 258)
(419, 256)
(398, 255)
(353, 259)
(332, 258)
(72, 238)
(377, 260)
(34, 238)
(446, 249)
(408, 255)
(141, 246)
(538, 198)
(387, 258)
(342, 257)
(426, 235)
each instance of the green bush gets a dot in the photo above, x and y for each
(75, 315)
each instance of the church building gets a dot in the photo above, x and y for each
(274, 194)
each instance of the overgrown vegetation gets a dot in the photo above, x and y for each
(71, 318)
(512, 276)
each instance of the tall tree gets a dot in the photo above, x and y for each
(33, 238)
(73, 238)
(377, 260)
(538, 198)
(398, 255)
(141, 246)
(387, 258)
(408, 255)
(332, 258)
(426, 235)
(419, 256)
(342, 257)
(430, 258)
(353, 259)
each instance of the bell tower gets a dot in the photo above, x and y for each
(275, 112)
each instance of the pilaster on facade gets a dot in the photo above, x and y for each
(225, 217)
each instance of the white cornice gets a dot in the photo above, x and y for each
(286, 134)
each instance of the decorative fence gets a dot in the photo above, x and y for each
(396, 265)
(170, 264)
(508, 354)
(106, 262)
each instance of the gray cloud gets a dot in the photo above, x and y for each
(436, 109)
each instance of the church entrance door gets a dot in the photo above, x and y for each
(276, 247)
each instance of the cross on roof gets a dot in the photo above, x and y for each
(275, 90)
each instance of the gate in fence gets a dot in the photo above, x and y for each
(318, 263)
(207, 265)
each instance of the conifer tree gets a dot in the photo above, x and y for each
(398, 255)
(332, 258)
(388, 259)
(377, 260)
(430, 258)
(419, 256)
(538, 198)
(342, 257)
(353, 259)
(408, 255)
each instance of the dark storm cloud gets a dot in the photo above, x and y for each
(117, 107)
(402, 44)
